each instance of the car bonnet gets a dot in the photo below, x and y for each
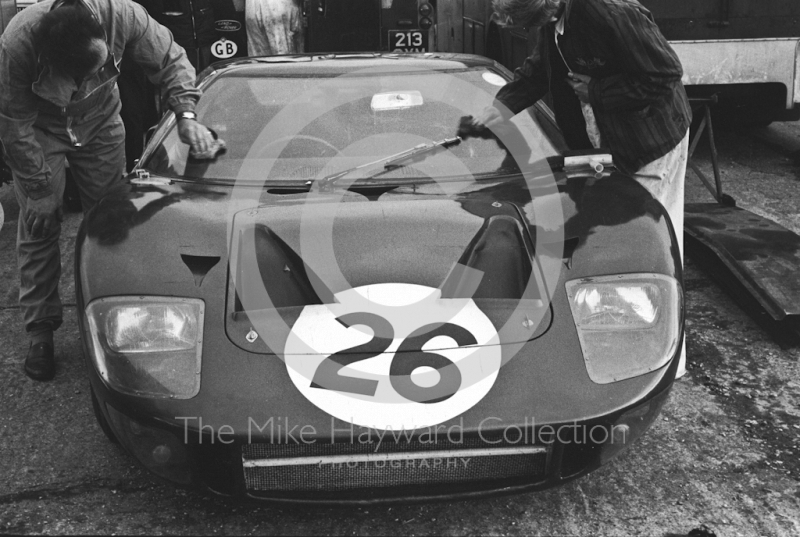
(411, 262)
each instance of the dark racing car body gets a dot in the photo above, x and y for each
(350, 304)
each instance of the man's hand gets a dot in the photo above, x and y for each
(580, 85)
(42, 215)
(489, 118)
(196, 135)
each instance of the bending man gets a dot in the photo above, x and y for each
(59, 60)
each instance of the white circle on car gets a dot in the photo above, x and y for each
(393, 356)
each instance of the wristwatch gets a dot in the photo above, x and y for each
(187, 115)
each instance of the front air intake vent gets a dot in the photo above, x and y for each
(326, 467)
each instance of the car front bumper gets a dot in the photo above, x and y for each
(349, 468)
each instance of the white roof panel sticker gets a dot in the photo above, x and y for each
(396, 100)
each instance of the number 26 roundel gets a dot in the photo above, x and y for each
(393, 356)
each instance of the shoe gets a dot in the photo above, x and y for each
(40, 363)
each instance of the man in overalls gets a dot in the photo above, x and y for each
(59, 60)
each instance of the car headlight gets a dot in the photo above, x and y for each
(628, 324)
(148, 346)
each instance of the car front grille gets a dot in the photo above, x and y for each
(327, 467)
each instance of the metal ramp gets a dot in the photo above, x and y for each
(753, 258)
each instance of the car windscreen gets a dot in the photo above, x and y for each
(284, 128)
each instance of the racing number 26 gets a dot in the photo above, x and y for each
(406, 360)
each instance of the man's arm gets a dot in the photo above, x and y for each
(24, 155)
(18, 113)
(152, 47)
(530, 84)
(650, 66)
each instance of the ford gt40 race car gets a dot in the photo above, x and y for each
(356, 301)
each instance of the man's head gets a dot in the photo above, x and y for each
(70, 40)
(520, 13)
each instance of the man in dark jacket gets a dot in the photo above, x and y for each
(59, 61)
(615, 83)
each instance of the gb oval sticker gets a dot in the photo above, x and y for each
(224, 49)
(393, 356)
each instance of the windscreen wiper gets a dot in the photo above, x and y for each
(391, 162)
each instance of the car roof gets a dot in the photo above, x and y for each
(340, 63)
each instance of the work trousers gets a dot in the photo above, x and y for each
(664, 178)
(96, 165)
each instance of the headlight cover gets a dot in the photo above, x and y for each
(148, 346)
(628, 324)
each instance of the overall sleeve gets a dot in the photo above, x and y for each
(18, 113)
(650, 66)
(152, 47)
(531, 81)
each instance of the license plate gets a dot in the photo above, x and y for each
(408, 41)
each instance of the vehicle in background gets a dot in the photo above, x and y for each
(370, 25)
(744, 52)
(341, 26)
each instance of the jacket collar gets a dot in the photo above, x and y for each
(561, 23)
(561, 17)
(54, 87)
(62, 90)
